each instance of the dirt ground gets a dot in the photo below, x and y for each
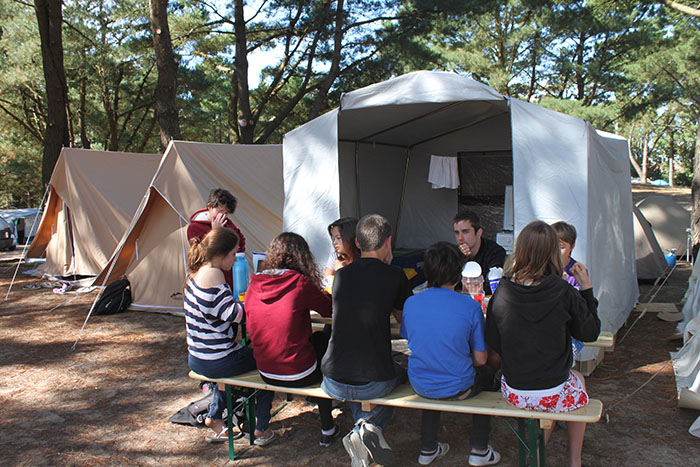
(108, 401)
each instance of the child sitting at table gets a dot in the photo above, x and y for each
(211, 317)
(345, 250)
(530, 323)
(445, 332)
(567, 241)
(277, 306)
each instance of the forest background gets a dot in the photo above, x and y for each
(129, 75)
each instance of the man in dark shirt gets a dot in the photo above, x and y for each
(358, 363)
(487, 253)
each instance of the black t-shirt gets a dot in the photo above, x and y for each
(490, 255)
(364, 294)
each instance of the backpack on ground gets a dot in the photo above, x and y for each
(116, 297)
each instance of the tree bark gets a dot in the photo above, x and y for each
(645, 158)
(50, 18)
(166, 87)
(244, 115)
(671, 156)
(335, 62)
(695, 217)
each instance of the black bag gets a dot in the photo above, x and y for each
(116, 297)
(194, 414)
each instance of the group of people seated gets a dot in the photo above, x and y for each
(456, 352)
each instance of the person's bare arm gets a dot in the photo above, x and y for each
(479, 357)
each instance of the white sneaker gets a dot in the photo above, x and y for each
(490, 457)
(425, 459)
(373, 439)
(359, 456)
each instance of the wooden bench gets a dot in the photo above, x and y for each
(530, 423)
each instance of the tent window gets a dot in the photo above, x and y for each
(483, 177)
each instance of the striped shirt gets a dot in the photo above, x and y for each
(209, 317)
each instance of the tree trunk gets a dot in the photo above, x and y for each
(335, 63)
(50, 19)
(166, 87)
(695, 221)
(671, 156)
(645, 158)
(244, 116)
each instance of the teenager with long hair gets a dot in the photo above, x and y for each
(211, 317)
(277, 306)
(530, 322)
(345, 250)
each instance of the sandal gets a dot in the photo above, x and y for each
(221, 437)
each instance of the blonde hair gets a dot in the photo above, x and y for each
(536, 254)
(217, 242)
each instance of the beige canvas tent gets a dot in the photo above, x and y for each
(669, 221)
(92, 197)
(152, 252)
(651, 263)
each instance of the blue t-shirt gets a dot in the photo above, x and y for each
(442, 328)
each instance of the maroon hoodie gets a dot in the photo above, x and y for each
(199, 228)
(277, 306)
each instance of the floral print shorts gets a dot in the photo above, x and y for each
(569, 396)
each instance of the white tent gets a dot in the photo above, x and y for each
(372, 155)
(152, 251)
(651, 263)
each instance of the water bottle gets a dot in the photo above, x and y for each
(240, 275)
(670, 256)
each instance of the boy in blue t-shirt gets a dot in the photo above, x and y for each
(445, 332)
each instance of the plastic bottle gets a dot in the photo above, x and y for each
(240, 275)
(495, 274)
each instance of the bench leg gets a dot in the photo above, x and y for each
(250, 415)
(229, 408)
(529, 429)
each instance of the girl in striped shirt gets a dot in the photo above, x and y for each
(211, 317)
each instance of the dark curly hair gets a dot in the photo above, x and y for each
(290, 251)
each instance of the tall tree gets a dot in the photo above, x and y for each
(50, 19)
(166, 87)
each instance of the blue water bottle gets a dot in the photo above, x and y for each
(240, 275)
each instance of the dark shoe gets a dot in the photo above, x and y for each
(326, 440)
(373, 439)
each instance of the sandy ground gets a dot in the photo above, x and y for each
(108, 401)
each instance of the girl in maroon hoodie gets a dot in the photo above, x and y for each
(277, 305)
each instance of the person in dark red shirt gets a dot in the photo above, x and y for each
(277, 306)
(220, 205)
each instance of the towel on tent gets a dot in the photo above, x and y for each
(443, 172)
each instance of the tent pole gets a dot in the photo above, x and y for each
(357, 178)
(403, 193)
(24, 250)
(411, 120)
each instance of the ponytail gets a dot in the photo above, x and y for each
(218, 242)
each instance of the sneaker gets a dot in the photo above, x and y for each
(490, 457)
(359, 456)
(326, 440)
(373, 439)
(425, 459)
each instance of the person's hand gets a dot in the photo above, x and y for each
(581, 276)
(218, 221)
(466, 251)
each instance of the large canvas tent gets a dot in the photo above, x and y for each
(92, 197)
(152, 252)
(669, 221)
(651, 263)
(372, 155)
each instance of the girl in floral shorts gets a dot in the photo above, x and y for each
(530, 322)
